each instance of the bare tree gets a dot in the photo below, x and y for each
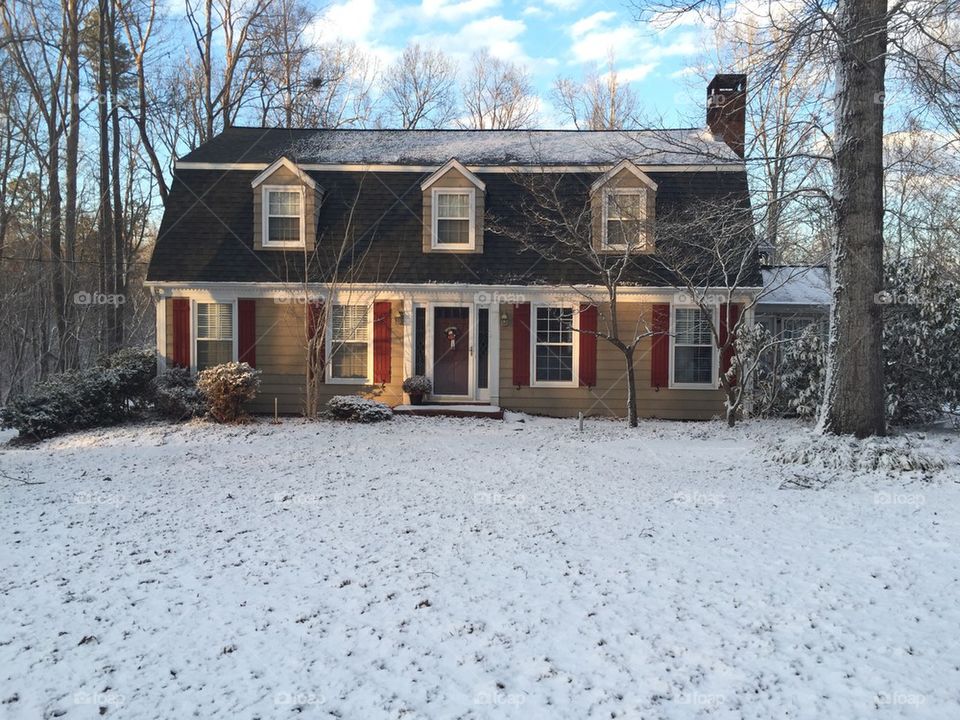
(600, 101)
(497, 95)
(419, 89)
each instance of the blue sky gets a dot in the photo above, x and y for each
(550, 38)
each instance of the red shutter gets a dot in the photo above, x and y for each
(381, 342)
(247, 332)
(660, 347)
(725, 326)
(181, 332)
(316, 321)
(588, 345)
(521, 344)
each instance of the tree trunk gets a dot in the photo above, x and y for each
(631, 389)
(854, 395)
(117, 222)
(105, 226)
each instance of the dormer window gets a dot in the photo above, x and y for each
(625, 212)
(283, 224)
(453, 219)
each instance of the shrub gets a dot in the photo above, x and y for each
(133, 369)
(417, 384)
(175, 395)
(72, 400)
(226, 388)
(358, 409)
(804, 373)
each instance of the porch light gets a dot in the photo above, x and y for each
(504, 320)
(401, 317)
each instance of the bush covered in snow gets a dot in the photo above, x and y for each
(921, 344)
(100, 395)
(133, 370)
(358, 409)
(226, 388)
(803, 373)
(175, 395)
(417, 384)
(844, 453)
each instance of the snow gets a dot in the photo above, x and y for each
(796, 285)
(462, 568)
(496, 147)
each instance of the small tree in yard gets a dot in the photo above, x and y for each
(553, 220)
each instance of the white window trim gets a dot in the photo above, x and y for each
(715, 356)
(607, 194)
(328, 339)
(575, 376)
(194, 325)
(265, 219)
(434, 218)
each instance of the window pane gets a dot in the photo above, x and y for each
(554, 325)
(693, 365)
(624, 232)
(451, 205)
(554, 363)
(349, 324)
(349, 360)
(213, 352)
(693, 327)
(284, 229)
(284, 203)
(625, 206)
(453, 232)
(215, 321)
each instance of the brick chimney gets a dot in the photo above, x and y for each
(726, 109)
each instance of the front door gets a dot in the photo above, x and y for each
(451, 351)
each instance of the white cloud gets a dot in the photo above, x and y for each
(636, 73)
(591, 22)
(350, 20)
(454, 11)
(563, 4)
(497, 33)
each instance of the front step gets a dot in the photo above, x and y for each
(439, 410)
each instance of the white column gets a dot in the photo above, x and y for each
(493, 350)
(160, 305)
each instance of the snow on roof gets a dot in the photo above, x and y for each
(506, 147)
(796, 285)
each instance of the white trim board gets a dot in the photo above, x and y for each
(396, 167)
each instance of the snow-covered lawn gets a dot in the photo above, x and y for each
(438, 568)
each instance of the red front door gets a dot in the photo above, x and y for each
(451, 351)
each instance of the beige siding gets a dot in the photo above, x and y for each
(452, 179)
(281, 358)
(311, 209)
(609, 397)
(623, 179)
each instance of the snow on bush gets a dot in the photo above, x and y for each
(101, 395)
(358, 409)
(417, 384)
(921, 344)
(226, 388)
(804, 373)
(175, 395)
(901, 453)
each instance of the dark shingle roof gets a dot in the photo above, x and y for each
(207, 230)
(685, 146)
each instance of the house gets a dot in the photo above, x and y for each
(794, 298)
(385, 248)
